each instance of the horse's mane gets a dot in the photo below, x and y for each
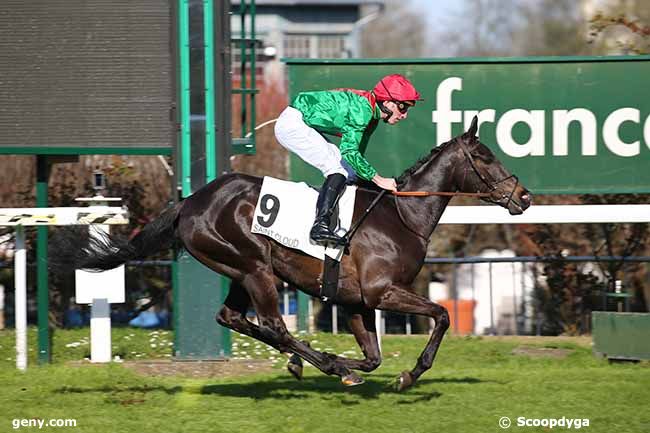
(371, 187)
(423, 160)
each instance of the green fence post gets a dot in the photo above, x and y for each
(303, 312)
(198, 292)
(184, 95)
(211, 144)
(42, 296)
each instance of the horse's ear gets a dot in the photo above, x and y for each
(471, 132)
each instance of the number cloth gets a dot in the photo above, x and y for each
(285, 213)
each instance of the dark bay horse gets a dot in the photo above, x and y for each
(386, 253)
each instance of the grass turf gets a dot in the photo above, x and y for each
(474, 382)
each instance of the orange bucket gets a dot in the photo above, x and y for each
(465, 320)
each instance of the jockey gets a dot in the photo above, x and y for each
(353, 115)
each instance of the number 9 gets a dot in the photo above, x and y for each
(271, 212)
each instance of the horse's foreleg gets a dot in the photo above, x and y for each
(402, 301)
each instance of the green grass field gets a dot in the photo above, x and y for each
(474, 382)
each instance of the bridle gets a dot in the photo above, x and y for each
(492, 186)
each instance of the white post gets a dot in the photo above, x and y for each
(21, 217)
(100, 331)
(20, 282)
(285, 298)
(100, 315)
(335, 320)
(378, 327)
(2, 306)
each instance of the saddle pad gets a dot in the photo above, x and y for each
(285, 212)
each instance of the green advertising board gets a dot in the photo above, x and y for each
(564, 125)
(621, 335)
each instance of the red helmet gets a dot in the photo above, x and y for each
(395, 88)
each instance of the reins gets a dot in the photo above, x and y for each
(348, 236)
(345, 241)
(440, 193)
(428, 194)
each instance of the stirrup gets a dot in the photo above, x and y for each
(322, 234)
(327, 238)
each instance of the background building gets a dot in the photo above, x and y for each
(306, 29)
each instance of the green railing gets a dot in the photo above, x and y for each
(247, 46)
(198, 290)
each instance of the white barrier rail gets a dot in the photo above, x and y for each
(548, 214)
(21, 217)
(60, 216)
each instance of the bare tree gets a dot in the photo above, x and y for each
(480, 28)
(515, 28)
(622, 27)
(400, 31)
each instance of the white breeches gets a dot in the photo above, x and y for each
(294, 135)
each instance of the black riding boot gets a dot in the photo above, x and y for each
(327, 198)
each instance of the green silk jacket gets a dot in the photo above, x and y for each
(350, 113)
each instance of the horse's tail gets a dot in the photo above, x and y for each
(75, 248)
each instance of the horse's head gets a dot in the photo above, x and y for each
(482, 172)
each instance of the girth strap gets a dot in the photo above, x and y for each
(330, 283)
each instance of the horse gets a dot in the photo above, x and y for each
(385, 254)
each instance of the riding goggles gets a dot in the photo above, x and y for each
(403, 106)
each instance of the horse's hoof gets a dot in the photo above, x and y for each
(295, 366)
(404, 381)
(352, 379)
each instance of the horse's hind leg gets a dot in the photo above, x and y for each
(233, 312)
(233, 315)
(402, 301)
(261, 288)
(256, 277)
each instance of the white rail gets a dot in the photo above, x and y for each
(21, 217)
(548, 214)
